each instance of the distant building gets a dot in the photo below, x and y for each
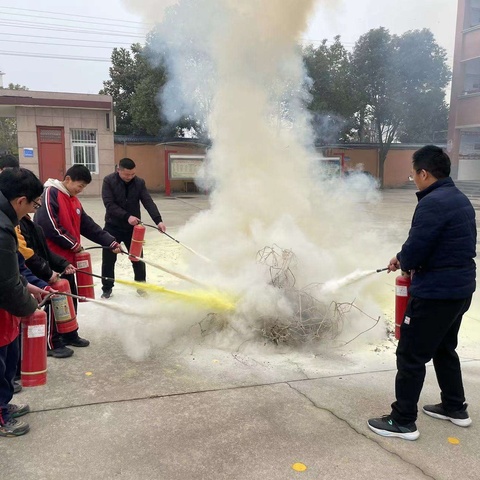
(464, 122)
(56, 130)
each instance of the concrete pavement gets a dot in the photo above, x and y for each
(199, 412)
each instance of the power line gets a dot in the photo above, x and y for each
(58, 44)
(61, 38)
(71, 20)
(55, 57)
(58, 28)
(73, 15)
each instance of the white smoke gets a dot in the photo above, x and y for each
(237, 66)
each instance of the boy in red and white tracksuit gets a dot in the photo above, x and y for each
(64, 222)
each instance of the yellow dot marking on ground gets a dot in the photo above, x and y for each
(454, 441)
(299, 467)
(88, 374)
(215, 361)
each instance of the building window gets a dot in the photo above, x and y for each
(472, 18)
(470, 145)
(85, 149)
(472, 77)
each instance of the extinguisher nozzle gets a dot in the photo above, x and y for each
(381, 270)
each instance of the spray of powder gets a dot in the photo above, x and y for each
(237, 66)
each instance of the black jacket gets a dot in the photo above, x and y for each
(441, 244)
(14, 297)
(122, 200)
(43, 260)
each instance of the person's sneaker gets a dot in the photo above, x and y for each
(107, 294)
(460, 418)
(76, 341)
(142, 293)
(13, 428)
(388, 427)
(60, 352)
(17, 386)
(19, 410)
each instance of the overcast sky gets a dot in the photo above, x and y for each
(32, 32)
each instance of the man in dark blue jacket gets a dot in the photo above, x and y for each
(122, 193)
(439, 255)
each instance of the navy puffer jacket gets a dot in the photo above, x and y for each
(441, 244)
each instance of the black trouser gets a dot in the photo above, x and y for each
(429, 331)
(9, 355)
(109, 258)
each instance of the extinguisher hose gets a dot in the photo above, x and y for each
(381, 270)
(180, 243)
(46, 298)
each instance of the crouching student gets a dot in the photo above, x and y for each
(64, 222)
(19, 189)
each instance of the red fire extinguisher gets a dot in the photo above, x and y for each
(63, 308)
(137, 242)
(34, 349)
(402, 285)
(83, 263)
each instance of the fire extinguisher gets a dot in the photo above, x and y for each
(83, 263)
(402, 285)
(137, 242)
(63, 308)
(34, 349)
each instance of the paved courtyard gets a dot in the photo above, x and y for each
(191, 408)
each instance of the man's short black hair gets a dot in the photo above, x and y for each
(20, 182)
(433, 160)
(8, 160)
(126, 163)
(79, 173)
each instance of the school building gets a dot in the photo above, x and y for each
(464, 123)
(56, 130)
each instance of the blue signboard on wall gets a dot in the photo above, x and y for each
(28, 152)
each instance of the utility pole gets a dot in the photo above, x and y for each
(1, 78)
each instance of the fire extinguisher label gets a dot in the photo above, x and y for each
(36, 331)
(401, 291)
(61, 311)
(82, 264)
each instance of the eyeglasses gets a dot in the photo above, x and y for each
(36, 205)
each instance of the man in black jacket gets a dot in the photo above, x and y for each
(439, 255)
(122, 193)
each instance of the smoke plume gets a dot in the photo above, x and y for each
(237, 66)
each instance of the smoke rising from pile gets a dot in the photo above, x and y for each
(237, 66)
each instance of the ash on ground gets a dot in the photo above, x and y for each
(311, 320)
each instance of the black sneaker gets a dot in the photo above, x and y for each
(60, 352)
(17, 386)
(19, 410)
(13, 428)
(76, 341)
(107, 293)
(460, 418)
(388, 427)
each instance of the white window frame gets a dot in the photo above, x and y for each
(76, 140)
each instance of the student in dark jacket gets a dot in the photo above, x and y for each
(47, 266)
(19, 190)
(122, 193)
(439, 255)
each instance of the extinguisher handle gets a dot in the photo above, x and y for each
(45, 299)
